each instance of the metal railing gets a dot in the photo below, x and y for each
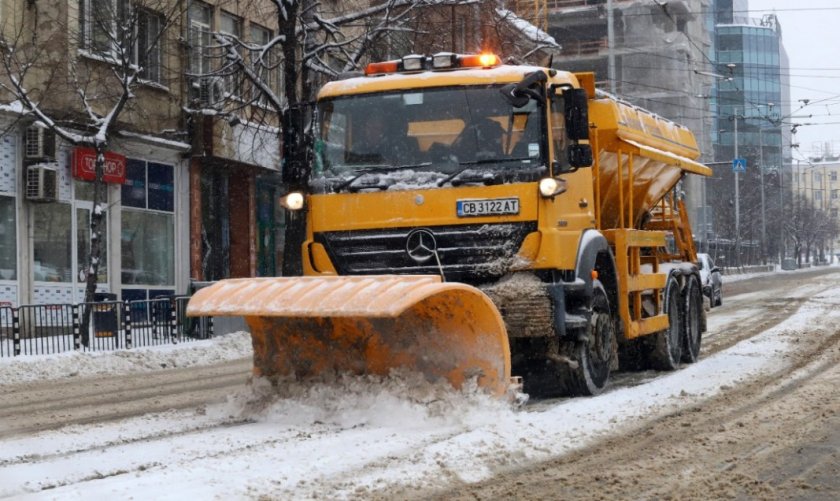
(56, 328)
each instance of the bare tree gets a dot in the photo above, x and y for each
(116, 48)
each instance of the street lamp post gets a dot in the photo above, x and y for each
(737, 199)
(761, 182)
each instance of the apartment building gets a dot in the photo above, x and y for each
(819, 181)
(190, 195)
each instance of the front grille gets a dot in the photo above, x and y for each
(473, 254)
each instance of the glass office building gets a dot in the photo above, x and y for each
(751, 110)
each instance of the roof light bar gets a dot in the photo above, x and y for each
(439, 61)
(414, 62)
(383, 67)
(443, 60)
(479, 60)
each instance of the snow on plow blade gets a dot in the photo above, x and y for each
(311, 326)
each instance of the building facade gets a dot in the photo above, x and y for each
(189, 196)
(751, 104)
(819, 182)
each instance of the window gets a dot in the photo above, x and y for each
(148, 224)
(558, 130)
(52, 232)
(99, 27)
(102, 34)
(231, 25)
(266, 68)
(833, 175)
(147, 249)
(200, 27)
(148, 186)
(8, 239)
(148, 45)
(835, 194)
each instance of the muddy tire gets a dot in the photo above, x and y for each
(593, 357)
(692, 304)
(665, 347)
(554, 367)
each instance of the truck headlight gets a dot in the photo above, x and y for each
(292, 201)
(551, 187)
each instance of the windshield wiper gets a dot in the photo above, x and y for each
(485, 177)
(377, 168)
(495, 160)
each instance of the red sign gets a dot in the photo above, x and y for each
(84, 166)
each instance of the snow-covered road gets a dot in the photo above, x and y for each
(365, 437)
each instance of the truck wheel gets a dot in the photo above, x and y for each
(593, 356)
(692, 302)
(666, 345)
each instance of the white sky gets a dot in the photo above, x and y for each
(811, 36)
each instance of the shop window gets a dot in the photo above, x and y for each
(8, 239)
(134, 187)
(270, 234)
(160, 187)
(148, 224)
(215, 224)
(51, 243)
(148, 248)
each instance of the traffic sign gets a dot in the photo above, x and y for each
(739, 165)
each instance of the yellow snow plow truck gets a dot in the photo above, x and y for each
(468, 219)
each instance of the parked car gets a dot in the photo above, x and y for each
(711, 279)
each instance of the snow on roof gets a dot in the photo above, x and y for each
(13, 107)
(529, 30)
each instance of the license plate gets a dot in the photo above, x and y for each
(487, 207)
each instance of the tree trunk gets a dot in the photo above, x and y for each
(295, 175)
(97, 217)
(294, 166)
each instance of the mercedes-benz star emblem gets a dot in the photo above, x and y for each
(421, 245)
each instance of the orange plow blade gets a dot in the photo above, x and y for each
(312, 326)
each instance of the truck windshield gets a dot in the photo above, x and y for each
(453, 134)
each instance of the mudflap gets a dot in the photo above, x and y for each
(311, 327)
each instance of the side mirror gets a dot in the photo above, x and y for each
(579, 155)
(577, 114)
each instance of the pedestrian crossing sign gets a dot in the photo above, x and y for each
(739, 165)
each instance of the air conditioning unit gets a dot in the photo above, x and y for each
(211, 91)
(41, 183)
(39, 144)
